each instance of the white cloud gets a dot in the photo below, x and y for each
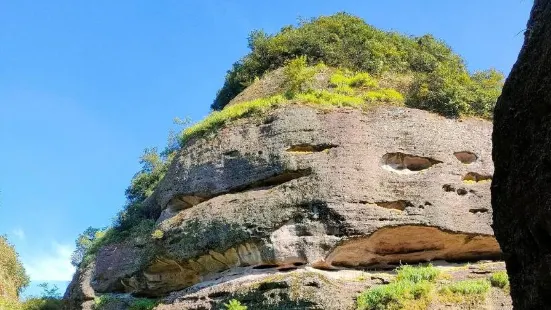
(52, 266)
(19, 233)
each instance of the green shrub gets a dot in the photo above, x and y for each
(499, 279)
(13, 278)
(143, 304)
(467, 287)
(103, 301)
(417, 274)
(135, 220)
(298, 76)
(43, 303)
(395, 295)
(235, 305)
(442, 83)
(412, 286)
(157, 234)
(141, 229)
(50, 299)
(9, 304)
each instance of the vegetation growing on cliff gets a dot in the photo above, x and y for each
(345, 89)
(441, 82)
(134, 220)
(12, 274)
(13, 280)
(418, 287)
(362, 67)
(108, 301)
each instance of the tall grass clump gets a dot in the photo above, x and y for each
(499, 279)
(412, 287)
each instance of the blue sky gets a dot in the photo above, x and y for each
(85, 86)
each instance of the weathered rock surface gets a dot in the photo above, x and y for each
(310, 288)
(79, 293)
(522, 153)
(303, 187)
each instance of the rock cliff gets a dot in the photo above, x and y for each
(304, 189)
(522, 143)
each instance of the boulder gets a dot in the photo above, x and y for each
(328, 189)
(79, 293)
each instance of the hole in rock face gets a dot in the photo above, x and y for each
(466, 157)
(182, 202)
(232, 154)
(219, 294)
(449, 188)
(266, 266)
(285, 269)
(476, 177)
(268, 286)
(268, 120)
(400, 162)
(478, 210)
(461, 191)
(312, 284)
(400, 205)
(309, 148)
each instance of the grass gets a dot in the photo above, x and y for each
(417, 273)
(412, 289)
(347, 89)
(499, 279)
(415, 287)
(465, 292)
(396, 295)
(467, 287)
(219, 118)
(107, 301)
(143, 304)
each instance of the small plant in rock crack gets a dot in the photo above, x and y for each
(235, 304)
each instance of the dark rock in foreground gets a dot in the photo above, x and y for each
(522, 155)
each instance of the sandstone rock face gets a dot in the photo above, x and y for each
(80, 294)
(339, 189)
(522, 153)
(307, 188)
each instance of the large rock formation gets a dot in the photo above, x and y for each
(522, 154)
(308, 188)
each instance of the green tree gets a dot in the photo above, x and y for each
(83, 244)
(13, 278)
(441, 82)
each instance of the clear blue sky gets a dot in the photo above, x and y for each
(85, 86)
